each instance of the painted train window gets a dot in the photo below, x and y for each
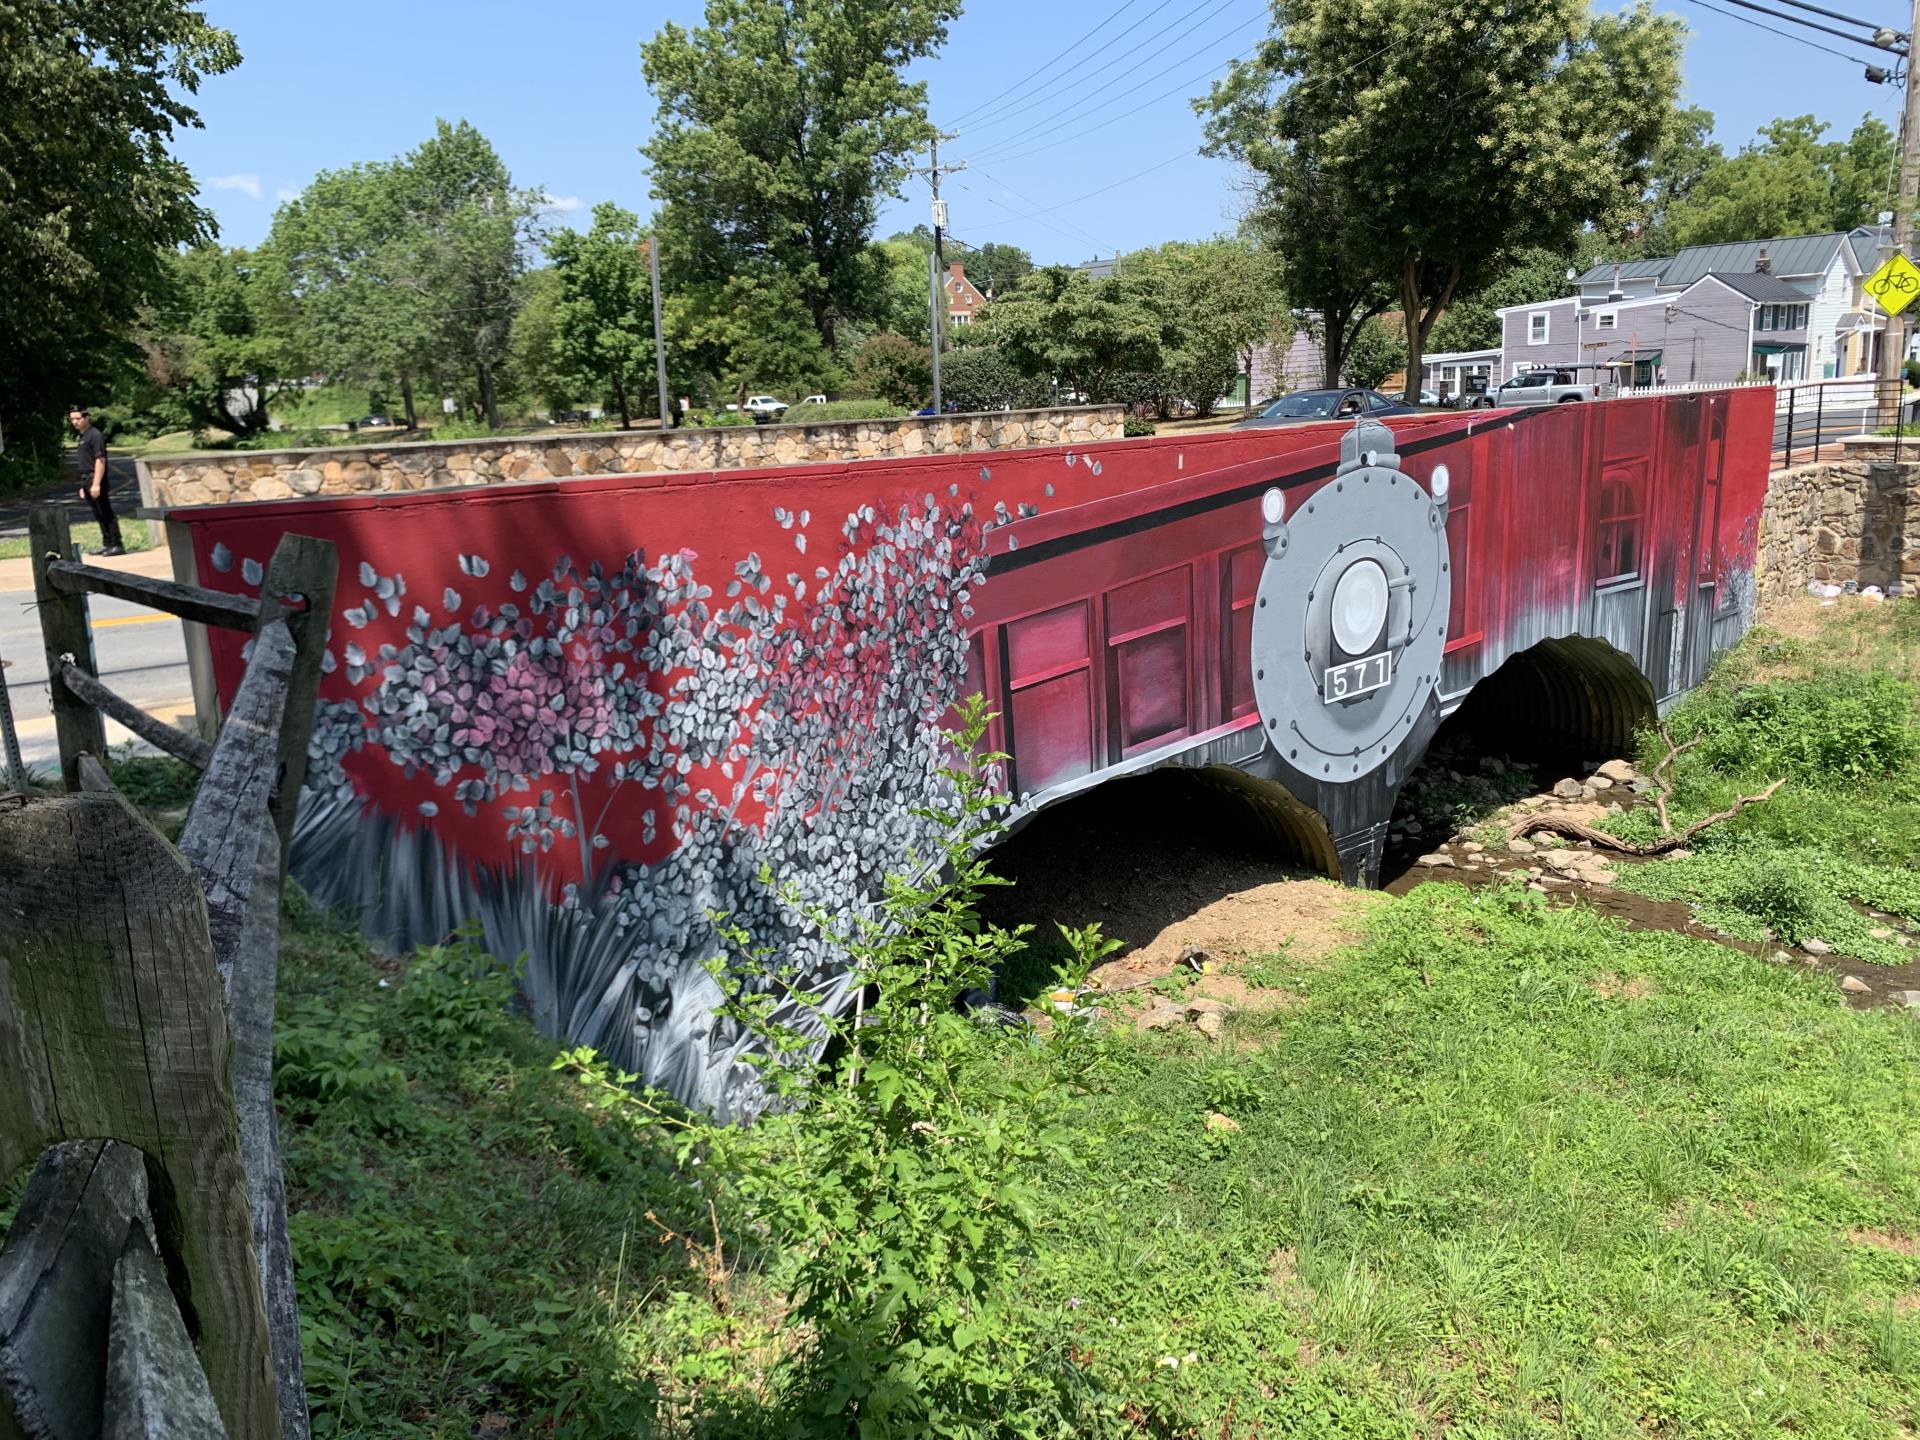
(1617, 531)
(1463, 611)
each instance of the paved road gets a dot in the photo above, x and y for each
(141, 654)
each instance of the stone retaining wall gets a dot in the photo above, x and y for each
(241, 475)
(1839, 520)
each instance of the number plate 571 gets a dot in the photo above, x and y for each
(1357, 677)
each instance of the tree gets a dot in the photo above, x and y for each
(892, 367)
(1788, 182)
(1086, 335)
(464, 240)
(603, 313)
(781, 128)
(1447, 141)
(533, 348)
(90, 197)
(1216, 299)
(1535, 274)
(217, 339)
(996, 268)
(749, 332)
(345, 258)
(1379, 348)
(901, 299)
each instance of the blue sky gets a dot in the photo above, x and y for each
(1057, 166)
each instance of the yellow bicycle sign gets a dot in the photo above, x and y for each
(1895, 285)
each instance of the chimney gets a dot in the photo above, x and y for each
(1616, 293)
(955, 270)
(1763, 265)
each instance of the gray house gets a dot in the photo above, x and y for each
(1721, 327)
(1833, 334)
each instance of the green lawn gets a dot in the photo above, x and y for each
(1501, 1168)
(86, 534)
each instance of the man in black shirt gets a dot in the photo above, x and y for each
(90, 466)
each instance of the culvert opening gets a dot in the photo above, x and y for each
(1155, 860)
(1553, 712)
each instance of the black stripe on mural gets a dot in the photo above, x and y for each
(1200, 505)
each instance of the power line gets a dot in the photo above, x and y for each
(1087, 105)
(1142, 44)
(1807, 24)
(1080, 232)
(1144, 104)
(1836, 15)
(1018, 84)
(1783, 34)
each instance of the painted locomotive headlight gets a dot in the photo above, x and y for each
(1351, 616)
(1359, 606)
(1273, 506)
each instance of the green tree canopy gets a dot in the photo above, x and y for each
(411, 268)
(1216, 300)
(749, 332)
(1087, 335)
(1440, 141)
(603, 314)
(345, 258)
(781, 128)
(91, 199)
(1789, 181)
(219, 338)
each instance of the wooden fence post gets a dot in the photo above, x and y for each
(303, 566)
(114, 1027)
(66, 633)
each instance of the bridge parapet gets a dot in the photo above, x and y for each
(590, 712)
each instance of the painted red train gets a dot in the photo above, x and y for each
(589, 711)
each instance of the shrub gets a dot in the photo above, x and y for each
(1846, 726)
(891, 367)
(981, 378)
(1134, 425)
(843, 410)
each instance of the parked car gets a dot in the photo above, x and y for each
(1429, 397)
(1542, 387)
(814, 400)
(764, 408)
(572, 417)
(1307, 405)
(371, 422)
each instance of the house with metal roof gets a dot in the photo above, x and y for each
(1840, 333)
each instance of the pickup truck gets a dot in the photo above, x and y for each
(1541, 387)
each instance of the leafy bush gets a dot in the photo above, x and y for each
(892, 368)
(1134, 425)
(981, 377)
(1846, 726)
(843, 410)
(898, 1174)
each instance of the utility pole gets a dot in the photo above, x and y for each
(659, 338)
(938, 265)
(1893, 347)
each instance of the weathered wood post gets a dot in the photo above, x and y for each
(64, 628)
(304, 567)
(113, 1026)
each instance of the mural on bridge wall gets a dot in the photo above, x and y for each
(589, 712)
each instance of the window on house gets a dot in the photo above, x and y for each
(1606, 320)
(1618, 532)
(961, 317)
(1537, 327)
(1763, 318)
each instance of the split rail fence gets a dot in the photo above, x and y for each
(146, 1282)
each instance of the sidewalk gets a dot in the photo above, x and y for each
(155, 564)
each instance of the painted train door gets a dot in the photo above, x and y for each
(1703, 597)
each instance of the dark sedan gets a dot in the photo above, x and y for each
(1306, 405)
